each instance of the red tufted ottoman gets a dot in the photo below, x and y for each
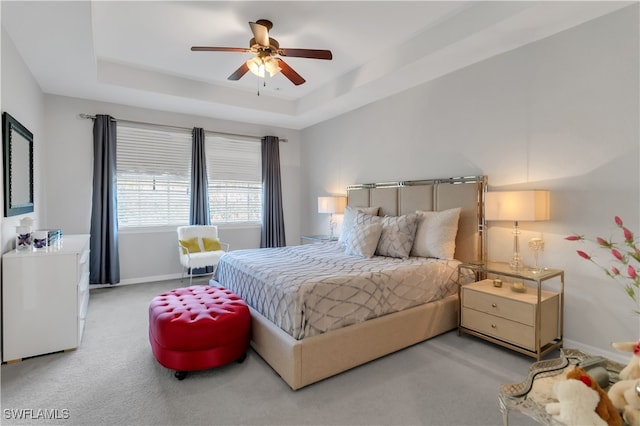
(198, 327)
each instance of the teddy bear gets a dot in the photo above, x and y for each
(624, 396)
(576, 404)
(606, 409)
(632, 369)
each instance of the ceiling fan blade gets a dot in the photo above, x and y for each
(260, 33)
(306, 53)
(219, 49)
(288, 72)
(237, 75)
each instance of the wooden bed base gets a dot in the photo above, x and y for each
(303, 362)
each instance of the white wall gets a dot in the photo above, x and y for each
(560, 114)
(152, 254)
(22, 98)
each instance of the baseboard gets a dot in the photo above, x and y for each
(141, 280)
(613, 355)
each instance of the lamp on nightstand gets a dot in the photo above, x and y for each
(517, 206)
(331, 205)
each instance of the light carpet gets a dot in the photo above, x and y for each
(113, 379)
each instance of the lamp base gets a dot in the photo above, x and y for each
(516, 261)
(332, 226)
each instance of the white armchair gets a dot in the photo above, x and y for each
(199, 247)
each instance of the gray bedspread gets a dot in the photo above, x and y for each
(310, 289)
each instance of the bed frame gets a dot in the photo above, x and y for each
(306, 361)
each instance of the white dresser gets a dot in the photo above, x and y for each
(45, 295)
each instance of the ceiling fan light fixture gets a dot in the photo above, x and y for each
(256, 66)
(271, 65)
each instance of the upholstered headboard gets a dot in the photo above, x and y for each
(398, 198)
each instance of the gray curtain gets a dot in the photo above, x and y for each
(199, 207)
(272, 214)
(104, 263)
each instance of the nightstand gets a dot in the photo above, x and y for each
(308, 239)
(529, 321)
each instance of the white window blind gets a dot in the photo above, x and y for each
(235, 180)
(154, 178)
(153, 172)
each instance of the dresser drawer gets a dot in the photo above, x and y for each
(83, 294)
(83, 262)
(501, 328)
(515, 310)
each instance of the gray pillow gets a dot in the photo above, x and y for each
(349, 220)
(363, 239)
(398, 233)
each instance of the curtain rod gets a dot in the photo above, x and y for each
(258, 138)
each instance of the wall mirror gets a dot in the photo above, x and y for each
(18, 167)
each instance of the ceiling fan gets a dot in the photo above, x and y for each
(267, 52)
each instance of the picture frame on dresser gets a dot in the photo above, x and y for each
(18, 167)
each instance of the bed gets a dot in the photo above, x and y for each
(317, 311)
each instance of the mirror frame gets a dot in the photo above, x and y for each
(10, 126)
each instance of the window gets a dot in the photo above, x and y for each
(235, 180)
(154, 178)
(153, 171)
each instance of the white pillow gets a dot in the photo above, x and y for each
(349, 220)
(436, 234)
(363, 239)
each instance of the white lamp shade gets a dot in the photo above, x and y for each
(331, 204)
(517, 205)
(256, 66)
(272, 66)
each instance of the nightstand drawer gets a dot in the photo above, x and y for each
(514, 310)
(500, 328)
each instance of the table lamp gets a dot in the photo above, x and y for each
(517, 206)
(332, 205)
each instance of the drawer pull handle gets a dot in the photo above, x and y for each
(493, 326)
(493, 305)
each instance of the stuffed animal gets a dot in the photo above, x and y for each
(631, 416)
(576, 404)
(605, 408)
(632, 370)
(624, 396)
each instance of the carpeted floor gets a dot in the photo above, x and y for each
(113, 379)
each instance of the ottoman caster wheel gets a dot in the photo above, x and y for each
(180, 375)
(242, 358)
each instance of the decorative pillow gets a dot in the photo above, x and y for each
(363, 239)
(190, 244)
(436, 234)
(365, 218)
(349, 220)
(211, 244)
(398, 233)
